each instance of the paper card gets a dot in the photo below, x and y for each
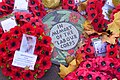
(100, 47)
(109, 2)
(8, 23)
(28, 44)
(21, 5)
(0, 0)
(76, 1)
(24, 60)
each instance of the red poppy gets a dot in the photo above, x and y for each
(5, 37)
(112, 50)
(7, 70)
(39, 31)
(16, 31)
(46, 40)
(40, 73)
(46, 50)
(17, 75)
(13, 44)
(28, 28)
(74, 17)
(27, 75)
(45, 63)
(88, 64)
(3, 48)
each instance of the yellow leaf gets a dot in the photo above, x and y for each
(82, 6)
(116, 2)
(88, 28)
(109, 38)
(114, 27)
(72, 66)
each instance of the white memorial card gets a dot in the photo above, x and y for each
(21, 5)
(0, 0)
(8, 24)
(28, 44)
(24, 60)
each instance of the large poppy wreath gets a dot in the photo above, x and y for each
(97, 68)
(10, 42)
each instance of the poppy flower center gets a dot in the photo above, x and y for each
(38, 58)
(47, 53)
(38, 13)
(45, 41)
(36, 7)
(8, 69)
(28, 29)
(33, 24)
(28, 19)
(82, 51)
(9, 55)
(103, 63)
(88, 50)
(17, 74)
(32, 2)
(87, 56)
(80, 77)
(7, 38)
(21, 17)
(111, 65)
(44, 63)
(1, 13)
(28, 75)
(8, 2)
(38, 48)
(70, 7)
(118, 69)
(2, 49)
(16, 32)
(112, 46)
(99, 26)
(92, 14)
(2, 60)
(95, 20)
(98, 78)
(13, 44)
(89, 76)
(111, 53)
(88, 65)
(3, 7)
(70, 2)
(91, 44)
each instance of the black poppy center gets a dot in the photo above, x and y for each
(28, 75)
(87, 56)
(103, 63)
(80, 77)
(93, 14)
(32, 2)
(118, 69)
(21, 17)
(38, 48)
(88, 65)
(28, 29)
(95, 20)
(89, 76)
(3, 49)
(8, 69)
(45, 41)
(1, 13)
(98, 78)
(28, 19)
(3, 7)
(111, 53)
(44, 63)
(36, 7)
(112, 46)
(88, 50)
(111, 65)
(38, 13)
(16, 31)
(17, 74)
(13, 44)
(47, 53)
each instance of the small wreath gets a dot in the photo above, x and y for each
(10, 42)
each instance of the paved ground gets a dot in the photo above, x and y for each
(50, 75)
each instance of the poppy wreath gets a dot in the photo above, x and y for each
(94, 14)
(36, 9)
(97, 67)
(10, 42)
